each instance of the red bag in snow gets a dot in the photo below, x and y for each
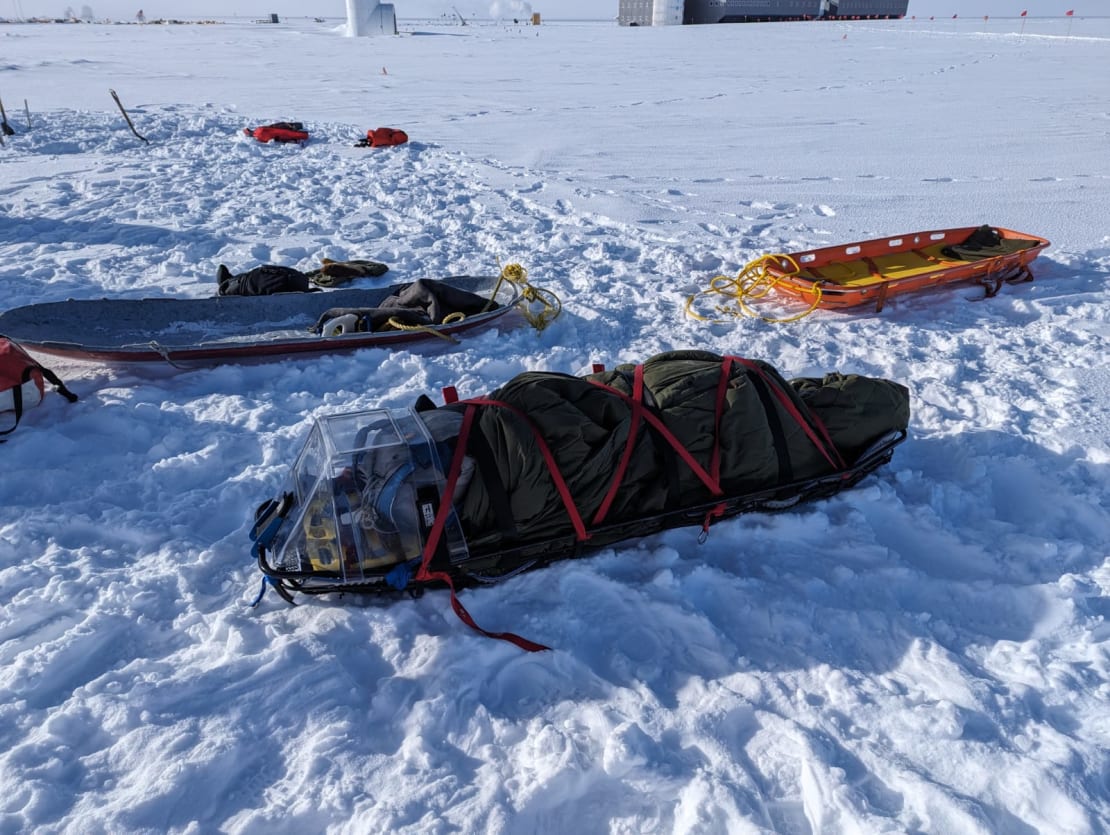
(279, 132)
(378, 137)
(22, 381)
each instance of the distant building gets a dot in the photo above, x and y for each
(368, 17)
(672, 12)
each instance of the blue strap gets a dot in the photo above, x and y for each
(261, 592)
(400, 575)
(266, 536)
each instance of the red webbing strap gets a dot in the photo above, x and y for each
(549, 459)
(446, 498)
(436, 532)
(622, 467)
(880, 299)
(824, 443)
(661, 428)
(876, 273)
(464, 616)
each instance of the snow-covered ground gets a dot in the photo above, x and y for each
(924, 653)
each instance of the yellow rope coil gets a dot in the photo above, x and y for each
(753, 283)
(550, 305)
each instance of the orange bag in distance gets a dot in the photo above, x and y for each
(384, 136)
(279, 132)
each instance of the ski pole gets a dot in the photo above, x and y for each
(130, 124)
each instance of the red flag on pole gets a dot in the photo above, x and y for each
(1024, 12)
(1069, 12)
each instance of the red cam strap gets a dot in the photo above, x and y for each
(424, 574)
(626, 457)
(549, 459)
(709, 481)
(819, 436)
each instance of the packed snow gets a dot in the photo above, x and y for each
(924, 653)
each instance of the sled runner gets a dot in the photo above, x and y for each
(870, 272)
(551, 466)
(234, 327)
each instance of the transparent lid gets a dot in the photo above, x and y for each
(366, 489)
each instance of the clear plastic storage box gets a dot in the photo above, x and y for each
(365, 491)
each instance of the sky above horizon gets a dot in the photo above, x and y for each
(551, 9)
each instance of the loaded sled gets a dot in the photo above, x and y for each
(870, 272)
(855, 275)
(551, 466)
(232, 328)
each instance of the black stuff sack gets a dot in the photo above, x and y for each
(23, 383)
(262, 281)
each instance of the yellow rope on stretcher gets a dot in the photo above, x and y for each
(754, 283)
(550, 305)
(395, 323)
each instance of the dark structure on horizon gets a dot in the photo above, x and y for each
(673, 12)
